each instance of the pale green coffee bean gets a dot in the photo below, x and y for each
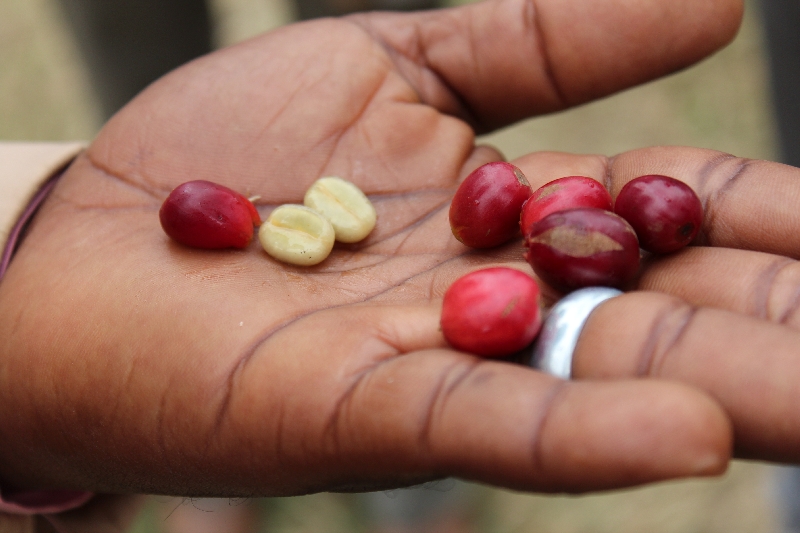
(296, 234)
(344, 205)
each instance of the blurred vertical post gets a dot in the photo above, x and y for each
(130, 43)
(309, 9)
(782, 24)
(782, 29)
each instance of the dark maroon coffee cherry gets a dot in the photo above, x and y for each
(564, 193)
(665, 213)
(583, 247)
(486, 207)
(492, 312)
(202, 214)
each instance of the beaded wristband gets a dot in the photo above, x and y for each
(38, 501)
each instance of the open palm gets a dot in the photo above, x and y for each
(133, 364)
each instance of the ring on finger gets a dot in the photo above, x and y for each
(555, 346)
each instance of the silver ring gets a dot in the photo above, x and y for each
(553, 350)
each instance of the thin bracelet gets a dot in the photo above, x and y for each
(22, 223)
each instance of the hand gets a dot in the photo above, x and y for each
(132, 364)
(730, 325)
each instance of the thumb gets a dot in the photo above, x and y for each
(498, 61)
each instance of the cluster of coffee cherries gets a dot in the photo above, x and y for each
(575, 236)
(203, 214)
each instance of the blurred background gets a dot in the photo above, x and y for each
(49, 90)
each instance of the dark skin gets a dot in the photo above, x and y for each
(132, 364)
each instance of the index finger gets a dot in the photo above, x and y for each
(749, 204)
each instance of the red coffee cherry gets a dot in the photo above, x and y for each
(564, 193)
(583, 247)
(486, 207)
(202, 214)
(666, 213)
(492, 312)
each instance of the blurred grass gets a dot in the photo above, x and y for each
(721, 103)
(44, 92)
(738, 502)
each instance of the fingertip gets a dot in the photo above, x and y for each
(727, 19)
(481, 154)
(543, 167)
(707, 430)
(639, 432)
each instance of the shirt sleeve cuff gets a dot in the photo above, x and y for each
(23, 168)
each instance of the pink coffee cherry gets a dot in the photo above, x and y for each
(583, 247)
(202, 214)
(564, 193)
(486, 207)
(492, 312)
(666, 213)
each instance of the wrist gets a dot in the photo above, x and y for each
(25, 166)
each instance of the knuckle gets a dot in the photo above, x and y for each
(664, 336)
(779, 289)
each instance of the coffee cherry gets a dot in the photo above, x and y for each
(583, 247)
(486, 207)
(203, 214)
(492, 312)
(666, 213)
(564, 193)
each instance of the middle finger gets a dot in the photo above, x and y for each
(757, 284)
